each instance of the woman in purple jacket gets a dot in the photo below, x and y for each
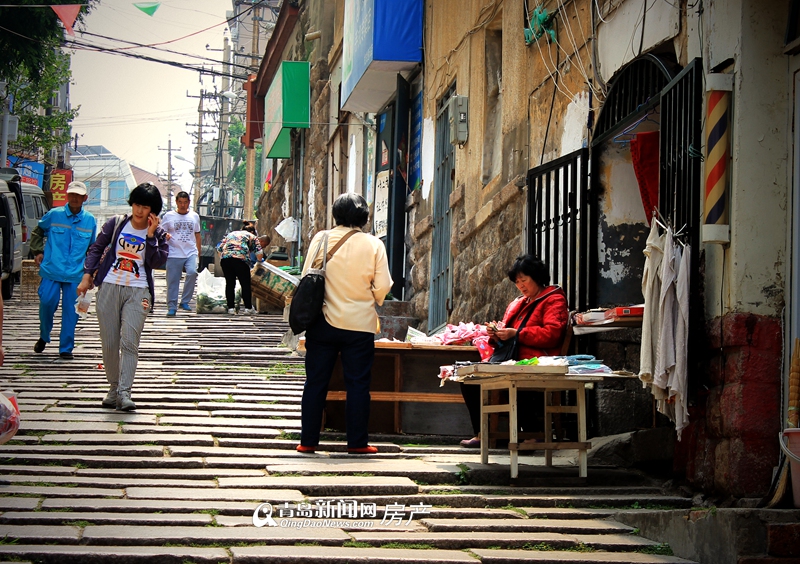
(120, 263)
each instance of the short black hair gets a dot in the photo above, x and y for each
(350, 210)
(182, 194)
(146, 194)
(249, 227)
(532, 266)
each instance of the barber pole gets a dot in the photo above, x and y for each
(715, 214)
(716, 209)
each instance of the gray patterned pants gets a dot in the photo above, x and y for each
(121, 311)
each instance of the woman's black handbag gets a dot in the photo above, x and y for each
(507, 350)
(309, 295)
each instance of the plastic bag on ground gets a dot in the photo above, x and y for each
(211, 293)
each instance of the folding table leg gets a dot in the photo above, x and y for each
(484, 426)
(582, 458)
(548, 427)
(513, 437)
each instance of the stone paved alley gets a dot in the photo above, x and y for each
(218, 400)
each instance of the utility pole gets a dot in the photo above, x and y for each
(225, 120)
(198, 154)
(169, 172)
(250, 163)
(6, 116)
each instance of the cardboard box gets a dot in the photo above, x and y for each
(625, 311)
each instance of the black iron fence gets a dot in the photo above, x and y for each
(562, 226)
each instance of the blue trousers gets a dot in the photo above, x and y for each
(175, 266)
(324, 343)
(50, 294)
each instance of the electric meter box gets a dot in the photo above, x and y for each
(459, 116)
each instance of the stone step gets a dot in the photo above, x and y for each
(83, 519)
(99, 482)
(123, 506)
(329, 485)
(106, 439)
(557, 557)
(65, 554)
(344, 555)
(482, 539)
(572, 526)
(135, 461)
(151, 535)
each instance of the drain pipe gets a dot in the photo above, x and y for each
(298, 211)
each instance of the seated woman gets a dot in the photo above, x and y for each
(542, 335)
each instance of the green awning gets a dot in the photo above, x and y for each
(287, 105)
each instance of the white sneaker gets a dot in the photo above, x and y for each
(251, 311)
(231, 312)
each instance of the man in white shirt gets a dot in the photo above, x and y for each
(183, 236)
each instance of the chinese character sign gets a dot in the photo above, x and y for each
(59, 180)
(381, 203)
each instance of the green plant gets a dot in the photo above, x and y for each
(408, 545)
(463, 474)
(80, 524)
(229, 399)
(662, 549)
(510, 507)
(356, 544)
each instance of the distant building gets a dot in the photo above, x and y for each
(109, 180)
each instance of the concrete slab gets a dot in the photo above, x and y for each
(335, 555)
(27, 425)
(145, 535)
(161, 473)
(103, 518)
(106, 439)
(19, 503)
(10, 451)
(329, 485)
(126, 481)
(55, 491)
(39, 533)
(243, 508)
(101, 416)
(222, 494)
(507, 556)
(229, 422)
(8, 469)
(239, 432)
(107, 461)
(372, 525)
(116, 554)
(572, 526)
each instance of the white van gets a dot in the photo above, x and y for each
(35, 204)
(11, 228)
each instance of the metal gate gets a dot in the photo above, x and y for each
(561, 224)
(441, 290)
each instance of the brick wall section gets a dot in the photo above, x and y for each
(731, 444)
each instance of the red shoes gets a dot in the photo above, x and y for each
(363, 450)
(306, 449)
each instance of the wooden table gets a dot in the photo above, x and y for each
(539, 378)
(405, 375)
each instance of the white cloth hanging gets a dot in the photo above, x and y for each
(651, 290)
(665, 351)
(678, 380)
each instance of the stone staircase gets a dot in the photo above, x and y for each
(181, 479)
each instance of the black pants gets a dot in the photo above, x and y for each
(234, 269)
(530, 408)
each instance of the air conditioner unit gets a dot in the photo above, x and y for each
(459, 116)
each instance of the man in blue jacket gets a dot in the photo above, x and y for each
(69, 231)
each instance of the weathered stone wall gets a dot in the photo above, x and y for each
(731, 444)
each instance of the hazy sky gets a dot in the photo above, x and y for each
(133, 107)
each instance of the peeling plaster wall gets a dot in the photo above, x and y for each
(622, 229)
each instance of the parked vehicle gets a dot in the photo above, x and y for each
(35, 204)
(11, 226)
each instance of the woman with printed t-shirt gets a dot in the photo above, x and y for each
(121, 263)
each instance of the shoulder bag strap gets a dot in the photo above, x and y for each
(320, 243)
(527, 317)
(341, 242)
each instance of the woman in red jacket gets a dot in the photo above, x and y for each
(542, 335)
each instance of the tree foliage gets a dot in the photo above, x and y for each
(42, 124)
(28, 35)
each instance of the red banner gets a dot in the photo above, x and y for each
(59, 180)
